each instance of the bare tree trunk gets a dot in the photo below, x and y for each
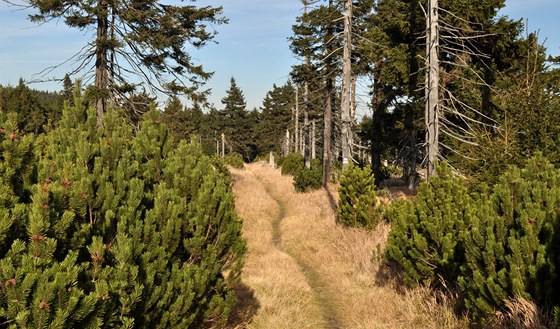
(297, 121)
(271, 159)
(353, 104)
(287, 143)
(432, 89)
(329, 88)
(306, 142)
(223, 145)
(346, 131)
(327, 133)
(307, 130)
(301, 142)
(101, 63)
(313, 141)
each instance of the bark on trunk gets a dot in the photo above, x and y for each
(101, 62)
(432, 89)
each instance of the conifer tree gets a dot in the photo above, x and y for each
(358, 204)
(16, 179)
(233, 117)
(148, 39)
(511, 248)
(426, 238)
(119, 231)
(275, 116)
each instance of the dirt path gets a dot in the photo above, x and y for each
(287, 292)
(322, 296)
(276, 293)
(304, 271)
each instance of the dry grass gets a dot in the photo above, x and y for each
(279, 287)
(522, 313)
(321, 274)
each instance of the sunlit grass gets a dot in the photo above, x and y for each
(320, 267)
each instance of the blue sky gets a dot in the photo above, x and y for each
(253, 47)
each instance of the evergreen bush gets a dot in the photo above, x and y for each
(234, 159)
(309, 179)
(426, 234)
(117, 230)
(358, 203)
(292, 163)
(512, 246)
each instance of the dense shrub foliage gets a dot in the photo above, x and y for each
(497, 244)
(292, 163)
(304, 178)
(103, 228)
(309, 179)
(358, 203)
(426, 234)
(512, 246)
(234, 159)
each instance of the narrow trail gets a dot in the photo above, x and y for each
(304, 271)
(322, 295)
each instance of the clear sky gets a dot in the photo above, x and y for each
(253, 47)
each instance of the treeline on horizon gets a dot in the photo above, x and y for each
(247, 133)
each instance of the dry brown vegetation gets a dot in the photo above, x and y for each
(304, 271)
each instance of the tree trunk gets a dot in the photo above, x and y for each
(313, 141)
(376, 142)
(297, 122)
(329, 88)
(306, 142)
(101, 63)
(432, 89)
(327, 133)
(346, 132)
(223, 145)
(287, 143)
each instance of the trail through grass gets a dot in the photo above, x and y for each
(321, 293)
(304, 271)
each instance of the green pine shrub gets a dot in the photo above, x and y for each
(512, 246)
(279, 161)
(112, 229)
(309, 179)
(292, 163)
(16, 180)
(234, 159)
(358, 203)
(427, 231)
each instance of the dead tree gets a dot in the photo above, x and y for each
(432, 88)
(346, 106)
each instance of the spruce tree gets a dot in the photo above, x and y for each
(274, 118)
(233, 118)
(146, 38)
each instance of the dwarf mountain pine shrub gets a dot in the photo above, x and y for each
(309, 179)
(427, 231)
(292, 163)
(118, 229)
(512, 246)
(234, 159)
(358, 204)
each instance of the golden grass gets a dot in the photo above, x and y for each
(522, 313)
(321, 274)
(280, 288)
